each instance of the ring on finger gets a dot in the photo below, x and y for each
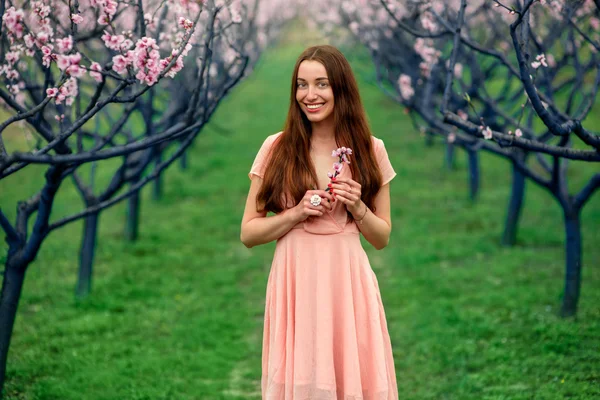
(315, 200)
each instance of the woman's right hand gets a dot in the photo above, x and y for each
(304, 209)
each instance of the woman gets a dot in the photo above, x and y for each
(325, 334)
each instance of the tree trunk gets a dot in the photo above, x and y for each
(86, 256)
(158, 183)
(9, 302)
(429, 139)
(133, 216)
(449, 156)
(473, 157)
(509, 237)
(573, 263)
(183, 161)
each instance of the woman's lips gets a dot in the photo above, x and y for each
(314, 109)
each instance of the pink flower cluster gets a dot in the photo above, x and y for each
(185, 23)
(116, 42)
(486, 131)
(107, 9)
(342, 153)
(67, 92)
(145, 60)
(540, 59)
(429, 54)
(70, 64)
(518, 132)
(406, 89)
(13, 21)
(428, 22)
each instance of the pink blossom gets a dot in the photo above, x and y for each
(47, 50)
(428, 22)
(140, 76)
(451, 137)
(126, 45)
(406, 89)
(76, 18)
(487, 133)
(51, 92)
(113, 42)
(337, 167)
(111, 7)
(75, 71)
(120, 64)
(64, 45)
(96, 75)
(12, 74)
(12, 57)
(14, 89)
(151, 78)
(539, 60)
(458, 70)
(463, 115)
(42, 38)
(62, 62)
(518, 132)
(595, 23)
(29, 40)
(104, 19)
(185, 23)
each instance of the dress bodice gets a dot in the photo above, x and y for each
(331, 222)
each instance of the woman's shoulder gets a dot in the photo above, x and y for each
(271, 138)
(268, 143)
(377, 144)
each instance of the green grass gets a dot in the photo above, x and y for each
(178, 314)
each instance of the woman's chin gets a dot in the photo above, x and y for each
(315, 118)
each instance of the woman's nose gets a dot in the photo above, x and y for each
(312, 94)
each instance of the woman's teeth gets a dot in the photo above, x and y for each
(313, 106)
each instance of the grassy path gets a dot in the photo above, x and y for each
(178, 315)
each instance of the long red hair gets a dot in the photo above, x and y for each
(290, 170)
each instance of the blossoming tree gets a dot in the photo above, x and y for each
(77, 74)
(515, 79)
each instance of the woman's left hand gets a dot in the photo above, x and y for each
(348, 192)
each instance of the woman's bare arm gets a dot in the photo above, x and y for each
(257, 228)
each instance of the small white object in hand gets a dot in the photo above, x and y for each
(315, 200)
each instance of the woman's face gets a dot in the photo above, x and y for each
(313, 91)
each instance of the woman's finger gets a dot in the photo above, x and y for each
(348, 181)
(324, 194)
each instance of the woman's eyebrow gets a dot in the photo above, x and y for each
(318, 79)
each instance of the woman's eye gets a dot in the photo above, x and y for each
(322, 84)
(300, 84)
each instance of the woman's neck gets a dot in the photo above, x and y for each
(323, 135)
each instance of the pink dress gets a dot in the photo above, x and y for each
(325, 333)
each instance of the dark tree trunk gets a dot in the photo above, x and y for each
(429, 139)
(9, 302)
(573, 263)
(473, 157)
(86, 255)
(509, 237)
(183, 161)
(157, 186)
(449, 156)
(133, 216)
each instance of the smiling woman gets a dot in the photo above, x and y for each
(325, 332)
(314, 93)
